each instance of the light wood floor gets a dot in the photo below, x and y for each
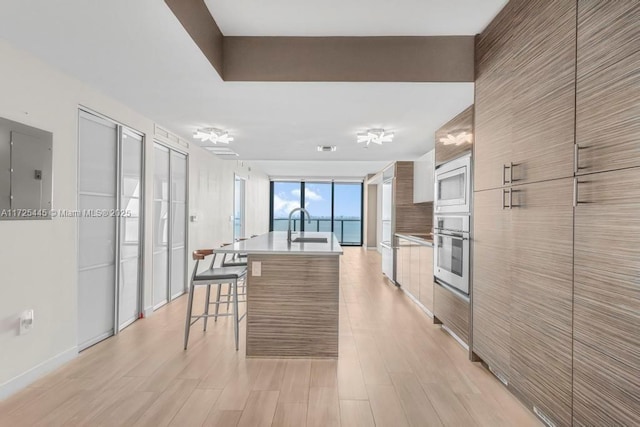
(395, 368)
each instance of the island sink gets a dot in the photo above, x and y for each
(310, 240)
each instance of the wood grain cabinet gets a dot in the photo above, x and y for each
(541, 296)
(492, 280)
(607, 299)
(426, 277)
(608, 85)
(522, 291)
(525, 95)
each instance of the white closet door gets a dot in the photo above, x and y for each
(97, 235)
(160, 226)
(130, 202)
(178, 223)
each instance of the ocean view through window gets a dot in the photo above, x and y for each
(335, 207)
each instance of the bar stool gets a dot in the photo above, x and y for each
(214, 276)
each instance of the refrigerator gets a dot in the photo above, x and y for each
(386, 242)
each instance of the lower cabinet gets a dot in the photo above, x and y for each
(414, 270)
(522, 292)
(606, 368)
(426, 277)
(541, 297)
(492, 281)
(452, 310)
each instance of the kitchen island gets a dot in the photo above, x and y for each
(292, 294)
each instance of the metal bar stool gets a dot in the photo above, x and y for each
(214, 276)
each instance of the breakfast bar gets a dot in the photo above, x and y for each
(292, 294)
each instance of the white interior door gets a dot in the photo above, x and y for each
(130, 233)
(160, 226)
(178, 239)
(97, 190)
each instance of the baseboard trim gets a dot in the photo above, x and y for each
(27, 378)
(148, 311)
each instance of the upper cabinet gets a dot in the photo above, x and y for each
(423, 170)
(525, 95)
(455, 138)
(608, 86)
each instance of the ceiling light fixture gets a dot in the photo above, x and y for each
(459, 139)
(376, 136)
(214, 135)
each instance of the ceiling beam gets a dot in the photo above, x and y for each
(203, 29)
(326, 59)
(349, 59)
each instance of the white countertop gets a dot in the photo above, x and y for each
(276, 243)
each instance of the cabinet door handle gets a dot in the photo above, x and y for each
(506, 191)
(504, 172)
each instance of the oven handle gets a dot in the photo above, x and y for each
(453, 236)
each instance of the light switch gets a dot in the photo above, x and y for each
(256, 268)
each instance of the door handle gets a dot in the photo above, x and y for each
(509, 192)
(504, 171)
(576, 198)
(576, 157)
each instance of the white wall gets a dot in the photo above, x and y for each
(38, 258)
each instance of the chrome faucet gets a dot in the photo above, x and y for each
(291, 215)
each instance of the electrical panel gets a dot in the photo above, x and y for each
(25, 171)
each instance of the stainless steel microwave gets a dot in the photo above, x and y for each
(453, 186)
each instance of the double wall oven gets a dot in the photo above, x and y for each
(451, 254)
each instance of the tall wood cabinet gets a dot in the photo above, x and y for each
(491, 303)
(606, 374)
(556, 253)
(541, 296)
(608, 85)
(525, 95)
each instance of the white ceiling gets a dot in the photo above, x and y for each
(138, 53)
(353, 17)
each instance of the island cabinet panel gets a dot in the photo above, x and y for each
(292, 306)
(541, 296)
(426, 277)
(492, 253)
(608, 85)
(607, 299)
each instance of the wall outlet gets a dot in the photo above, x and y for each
(26, 322)
(256, 268)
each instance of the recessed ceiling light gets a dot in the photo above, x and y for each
(222, 151)
(327, 148)
(376, 136)
(214, 135)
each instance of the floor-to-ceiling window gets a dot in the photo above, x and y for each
(333, 206)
